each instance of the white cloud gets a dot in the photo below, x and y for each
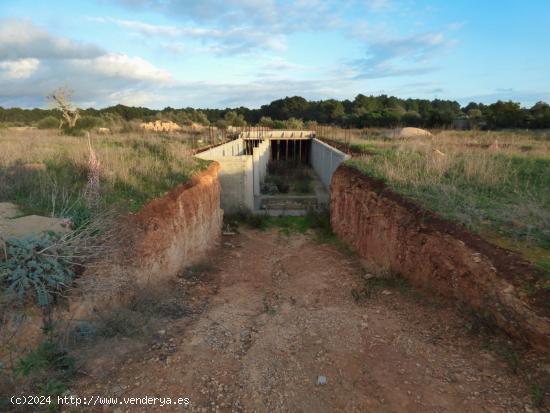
(398, 56)
(219, 40)
(19, 69)
(118, 65)
(21, 39)
(44, 62)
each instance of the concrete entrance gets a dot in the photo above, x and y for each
(244, 170)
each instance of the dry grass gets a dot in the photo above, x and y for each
(46, 173)
(496, 183)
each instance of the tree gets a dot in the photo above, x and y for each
(506, 115)
(61, 100)
(266, 121)
(411, 118)
(49, 122)
(540, 113)
(233, 118)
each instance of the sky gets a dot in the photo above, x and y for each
(229, 53)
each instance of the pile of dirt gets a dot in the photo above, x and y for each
(196, 126)
(160, 126)
(407, 133)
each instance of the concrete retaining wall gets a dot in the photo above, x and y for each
(240, 175)
(260, 156)
(325, 159)
(232, 148)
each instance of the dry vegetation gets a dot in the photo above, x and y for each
(496, 183)
(46, 173)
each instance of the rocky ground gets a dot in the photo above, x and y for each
(283, 324)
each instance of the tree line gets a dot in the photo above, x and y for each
(297, 112)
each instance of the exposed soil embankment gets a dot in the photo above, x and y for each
(167, 235)
(438, 255)
(178, 229)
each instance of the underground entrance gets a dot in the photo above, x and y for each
(275, 172)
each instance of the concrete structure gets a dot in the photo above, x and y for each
(240, 174)
(325, 159)
(276, 134)
(243, 165)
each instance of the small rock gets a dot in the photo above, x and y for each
(117, 390)
(386, 292)
(321, 380)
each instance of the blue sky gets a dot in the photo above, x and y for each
(215, 53)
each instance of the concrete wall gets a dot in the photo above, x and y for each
(277, 134)
(260, 156)
(236, 174)
(232, 148)
(241, 175)
(325, 159)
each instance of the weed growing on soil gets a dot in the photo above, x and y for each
(197, 272)
(317, 221)
(538, 393)
(288, 177)
(35, 265)
(48, 370)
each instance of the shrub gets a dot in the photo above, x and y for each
(89, 122)
(49, 122)
(35, 265)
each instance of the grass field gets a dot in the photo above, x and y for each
(46, 173)
(501, 192)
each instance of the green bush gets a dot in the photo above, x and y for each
(49, 122)
(35, 266)
(88, 122)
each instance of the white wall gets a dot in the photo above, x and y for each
(260, 156)
(325, 159)
(241, 175)
(236, 175)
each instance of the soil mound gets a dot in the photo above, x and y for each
(407, 133)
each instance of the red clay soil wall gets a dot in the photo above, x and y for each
(178, 229)
(168, 234)
(436, 254)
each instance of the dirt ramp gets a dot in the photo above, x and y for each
(438, 255)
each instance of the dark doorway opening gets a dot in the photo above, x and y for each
(296, 150)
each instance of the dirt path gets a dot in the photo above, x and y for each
(278, 314)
